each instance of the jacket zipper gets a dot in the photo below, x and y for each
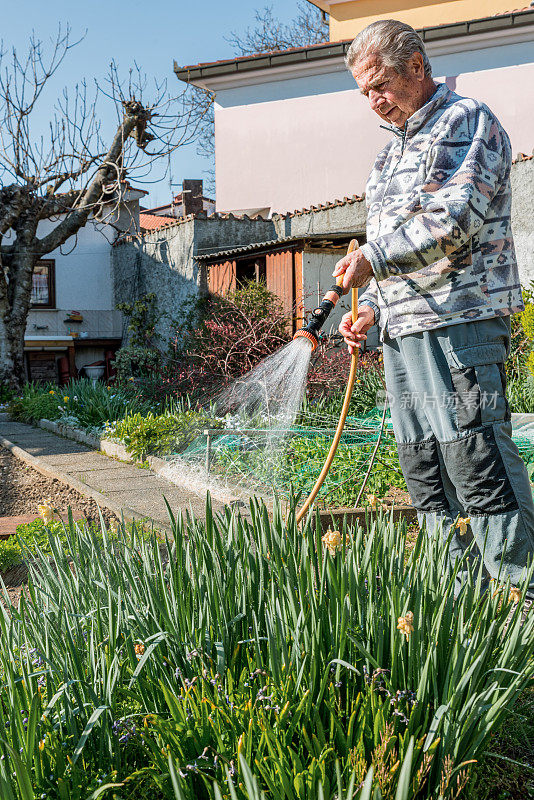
(402, 136)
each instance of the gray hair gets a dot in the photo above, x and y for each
(392, 41)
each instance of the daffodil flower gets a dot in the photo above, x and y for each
(372, 499)
(332, 540)
(515, 595)
(46, 511)
(405, 624)
(462, 524)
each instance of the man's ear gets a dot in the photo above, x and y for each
(417, 66)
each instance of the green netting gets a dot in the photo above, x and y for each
(281, 460)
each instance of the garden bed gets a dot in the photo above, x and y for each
(315, 664)
(338, 517)
(23, 489)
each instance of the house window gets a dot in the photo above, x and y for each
(43, 284)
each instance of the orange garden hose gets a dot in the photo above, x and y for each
(346, 403)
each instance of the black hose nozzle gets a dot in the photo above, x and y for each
(319, 316)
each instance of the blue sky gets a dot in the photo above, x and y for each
(151, 34)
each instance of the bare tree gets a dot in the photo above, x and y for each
(309, 27)
(69, 176)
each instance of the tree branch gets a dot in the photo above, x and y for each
(134, 124)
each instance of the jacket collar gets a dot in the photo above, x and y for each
(423, 114)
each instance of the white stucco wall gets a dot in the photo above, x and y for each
(286, 144)
(83, 268)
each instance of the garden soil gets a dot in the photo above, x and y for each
(22, 490)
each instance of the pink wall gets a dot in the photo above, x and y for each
(294, 153)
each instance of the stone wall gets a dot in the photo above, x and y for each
(523, 217)
(163, 261)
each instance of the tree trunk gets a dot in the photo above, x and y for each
(15, 298)
(12, 371)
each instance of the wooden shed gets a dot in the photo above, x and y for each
(298, 270)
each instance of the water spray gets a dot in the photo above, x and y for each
(311, 331)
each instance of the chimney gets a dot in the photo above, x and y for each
(192, 191)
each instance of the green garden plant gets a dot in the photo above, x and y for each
(36, 537)
(81, 403)
(159, 434)
(135, 672)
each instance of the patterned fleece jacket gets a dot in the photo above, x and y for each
(439, 235)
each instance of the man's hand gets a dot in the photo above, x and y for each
(355, 334)
(356, 270)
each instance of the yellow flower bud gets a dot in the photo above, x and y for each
(405, 624)
(372, 499)
(515, 595)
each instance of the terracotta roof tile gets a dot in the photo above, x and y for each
(151, 222)
(347, 201)
(523, 157)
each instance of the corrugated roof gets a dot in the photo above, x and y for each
(313, 53)
(271, 244)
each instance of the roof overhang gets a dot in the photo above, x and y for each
(325, 5)
(440, 40)
(273, 245)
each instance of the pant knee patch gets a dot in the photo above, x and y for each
(476, 467)
(421, 469)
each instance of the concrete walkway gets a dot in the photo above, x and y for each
(117, 486)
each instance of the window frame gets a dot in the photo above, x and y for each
(51, 264)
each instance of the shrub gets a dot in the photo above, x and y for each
(235, 333)
(142, 316)
(134, 361)
(522, 341)
(10, 553)
(328, 377)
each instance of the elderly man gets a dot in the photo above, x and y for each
(443, 283)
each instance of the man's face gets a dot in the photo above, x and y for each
(392, 96)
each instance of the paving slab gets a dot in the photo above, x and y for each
(106, 475)
(82, 461)
(126, 483)
(116, 485)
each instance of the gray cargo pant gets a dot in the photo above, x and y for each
(451, 419)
